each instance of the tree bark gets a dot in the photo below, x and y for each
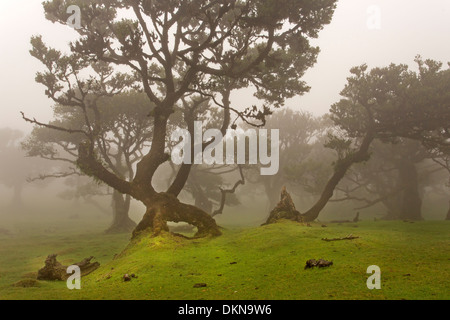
(121, 220)
(340, 170)
(165, 207)
(161, 207)
(285, 209)
(54, 270)
(411, 202)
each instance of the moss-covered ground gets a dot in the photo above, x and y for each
(244, 263)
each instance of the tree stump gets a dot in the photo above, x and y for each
(54, 270)
(285, 209)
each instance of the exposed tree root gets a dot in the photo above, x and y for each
(165, 207)
(349, 237)
(54, 270)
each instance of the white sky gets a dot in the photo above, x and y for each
(408, 28)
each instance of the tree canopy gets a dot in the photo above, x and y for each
(175, 50)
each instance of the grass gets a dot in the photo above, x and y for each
(252, 263)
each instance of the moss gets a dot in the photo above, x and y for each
(27, 283)
(256, 263)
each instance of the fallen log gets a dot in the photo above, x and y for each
(54, 270)
(349, 237)
(321, 263)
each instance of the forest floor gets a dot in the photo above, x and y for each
(247, 263)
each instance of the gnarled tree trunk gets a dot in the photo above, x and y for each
(411, 202)
(165, 207)
(121, 220)
(161, 207)
(340, 169)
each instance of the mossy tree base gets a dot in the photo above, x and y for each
(164, 207)
(285, 209)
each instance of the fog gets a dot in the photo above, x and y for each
(368, 141)
(408, 28)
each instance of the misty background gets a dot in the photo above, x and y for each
(408, 28)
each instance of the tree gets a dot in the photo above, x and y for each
(188, 49)
(396, 175)
(441, 156)
(299, 135)
(205, 184)
(123, 134)
(17, 169)
(83, 188)
(386, 103)
(10, 158)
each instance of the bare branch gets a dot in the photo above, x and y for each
(227, 191)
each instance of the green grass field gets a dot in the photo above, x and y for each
(249, 263)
